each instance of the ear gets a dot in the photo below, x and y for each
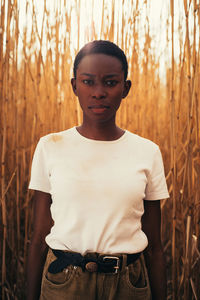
(127, 86)
(73, 83)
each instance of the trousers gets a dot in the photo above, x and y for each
(130, 283)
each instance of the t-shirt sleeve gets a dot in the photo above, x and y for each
(39, 171)
(156, 188)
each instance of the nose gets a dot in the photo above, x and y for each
(98, 92)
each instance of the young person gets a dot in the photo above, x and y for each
(97, 196)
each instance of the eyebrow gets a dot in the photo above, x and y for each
(106, 76)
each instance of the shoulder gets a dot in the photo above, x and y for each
(141, 144)
(56, 137)
(55, 142)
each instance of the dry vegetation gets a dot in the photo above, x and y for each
(36, 98)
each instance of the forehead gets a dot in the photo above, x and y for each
(100, 63)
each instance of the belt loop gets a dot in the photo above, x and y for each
(124, 261)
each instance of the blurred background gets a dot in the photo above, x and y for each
(38, 42)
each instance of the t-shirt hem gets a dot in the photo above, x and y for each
(38, 188)
(157, 197)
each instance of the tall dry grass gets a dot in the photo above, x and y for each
(36, 99)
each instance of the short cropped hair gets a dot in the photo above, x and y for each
(101, 47)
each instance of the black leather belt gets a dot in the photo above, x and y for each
(101, 263)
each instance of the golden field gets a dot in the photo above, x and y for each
(163, 105)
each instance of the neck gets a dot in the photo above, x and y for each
(100, 131)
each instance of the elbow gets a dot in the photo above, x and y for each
(154, 258)
(38, 242)
(153, 252)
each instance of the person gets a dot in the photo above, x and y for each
(97, 196)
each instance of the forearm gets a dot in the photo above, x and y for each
(155, 263)
(35, 264)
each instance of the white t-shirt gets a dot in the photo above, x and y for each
(97, 189)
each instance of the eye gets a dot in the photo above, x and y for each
(88, 81)
(111, 83)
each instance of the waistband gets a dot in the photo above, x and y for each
(92, 262)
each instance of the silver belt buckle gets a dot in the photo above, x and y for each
(117, 262)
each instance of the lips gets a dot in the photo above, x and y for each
(98, 106)
(98, 109)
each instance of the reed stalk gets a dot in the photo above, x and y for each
(173, 160)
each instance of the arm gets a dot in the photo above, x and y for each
(154, 257)
(38, 248)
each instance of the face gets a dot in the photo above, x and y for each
(100, 86)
